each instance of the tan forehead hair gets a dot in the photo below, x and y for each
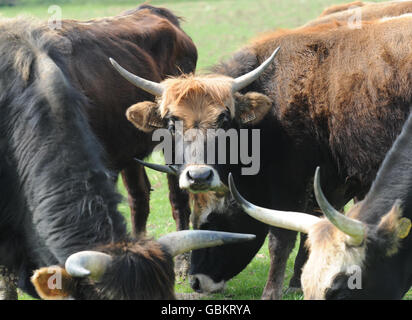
(215, 89)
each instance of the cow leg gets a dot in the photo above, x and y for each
(137, 185)
(281, 243)
(179, 200)
(8, 285)
(295, 284)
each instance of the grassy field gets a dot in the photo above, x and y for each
(218, 28)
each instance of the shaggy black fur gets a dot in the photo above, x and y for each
(57, 197)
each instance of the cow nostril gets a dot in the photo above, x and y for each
(209, 176)
(189, 176)
(195, 284)
(200, 175)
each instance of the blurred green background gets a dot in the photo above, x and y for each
(218, 28)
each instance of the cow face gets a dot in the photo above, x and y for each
(203, 111)
(199, 109)
(337, 269)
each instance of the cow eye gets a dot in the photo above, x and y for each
(171, 125)
(223, 120)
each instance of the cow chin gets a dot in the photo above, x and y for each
(193, 179)
(202, 283)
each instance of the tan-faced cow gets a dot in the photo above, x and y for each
(335, 97)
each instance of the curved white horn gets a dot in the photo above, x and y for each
(243, 81)
(296, 221)
(187, 240)
(170, 169)
(88, 264)
(353, 228)
(154, 88)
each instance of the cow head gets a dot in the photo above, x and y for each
(349, 259)
(201, 108)
(134, 269)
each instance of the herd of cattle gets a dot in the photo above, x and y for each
(79, 105)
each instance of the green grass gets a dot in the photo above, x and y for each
(218, 28)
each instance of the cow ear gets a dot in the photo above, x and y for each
(252, 107)
(145, 116)
(394, 227)
(52, 283)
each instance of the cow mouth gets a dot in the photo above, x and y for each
(197, 188)
(220, 190)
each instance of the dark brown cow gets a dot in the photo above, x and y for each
(150, 42)
(337, 96)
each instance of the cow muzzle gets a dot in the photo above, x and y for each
(202, 283)
(200, 178)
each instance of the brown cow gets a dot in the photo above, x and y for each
(336, 97)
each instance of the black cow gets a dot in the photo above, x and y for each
(367, 253)
(58, 204)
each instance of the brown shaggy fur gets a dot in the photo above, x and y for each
(345, 82)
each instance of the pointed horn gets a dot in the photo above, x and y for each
(170, 169)
(186, 240)
(91, 264)
(353, 228)
(243, 81)
(296, 221)
(154, 88)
